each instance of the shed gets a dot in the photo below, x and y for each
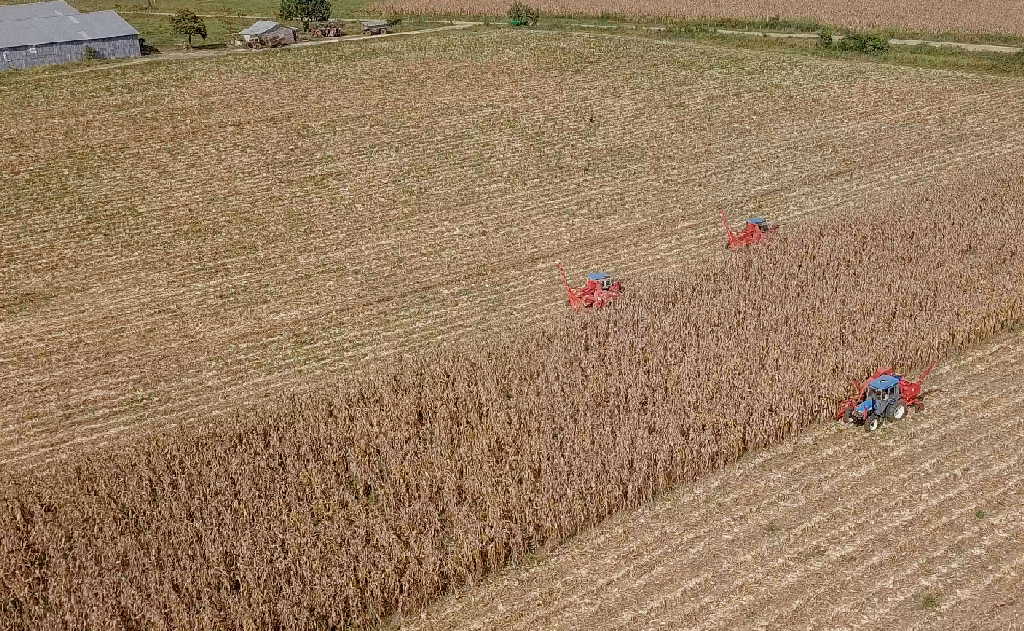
(266, 30)
(26, 41)
(12, 12)
(376, 27)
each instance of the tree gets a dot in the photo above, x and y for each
(305, 11)
(185, 22)
(870, 44)
(826, 37)
(522, 14)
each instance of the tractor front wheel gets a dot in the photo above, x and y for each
(899, 411)
(874, 424)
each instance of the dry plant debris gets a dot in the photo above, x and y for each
(865, 530)
(342, 506)
(180, 240)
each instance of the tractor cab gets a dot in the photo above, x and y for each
(759, 223)
(602, 280)
(880, 393)
(884, 387)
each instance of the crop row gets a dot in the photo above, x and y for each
(189, 277)
(342, 505)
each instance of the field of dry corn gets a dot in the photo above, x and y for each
(179, 240)
(919, 528)
(342, 506)
(932, 16)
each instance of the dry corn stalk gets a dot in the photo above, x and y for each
(342, 507)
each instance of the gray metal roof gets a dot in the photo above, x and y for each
(66, 28)
(259, 28)
(11, 12)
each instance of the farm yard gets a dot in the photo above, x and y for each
(299, 357)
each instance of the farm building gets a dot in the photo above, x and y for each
(10, 13)
(46, 33)
(268, 31)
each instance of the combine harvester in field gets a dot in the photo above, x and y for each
(884, 395)
(756, 230)
(600, 290)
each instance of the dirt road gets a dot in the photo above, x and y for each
(918, 527)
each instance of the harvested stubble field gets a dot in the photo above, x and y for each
(183, 239)
(919, 528)
(338, 507)
(931, 16)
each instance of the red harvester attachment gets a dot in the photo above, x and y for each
(599, 291)
(754, 231)
(883, 395)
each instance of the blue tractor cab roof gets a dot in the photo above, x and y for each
(757, 221)
(597, 276)
(884, 382)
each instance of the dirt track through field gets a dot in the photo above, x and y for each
(178, 249)
(918, 527)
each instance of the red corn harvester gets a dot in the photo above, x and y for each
(884, 395)
(755, 230)
(600, 290)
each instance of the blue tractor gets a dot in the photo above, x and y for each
(883, 399)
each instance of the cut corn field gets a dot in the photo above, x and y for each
(166, 270)
(343, 506)
(184, 243)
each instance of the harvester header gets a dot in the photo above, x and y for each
(755, 230)
(600, 290)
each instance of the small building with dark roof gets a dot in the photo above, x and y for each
(45, 33)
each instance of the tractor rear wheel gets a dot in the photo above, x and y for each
(874, 423)
(899, 411)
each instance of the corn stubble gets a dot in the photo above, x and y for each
(333, 508)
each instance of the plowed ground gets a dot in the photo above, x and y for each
(182, 239)
(918, 527)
